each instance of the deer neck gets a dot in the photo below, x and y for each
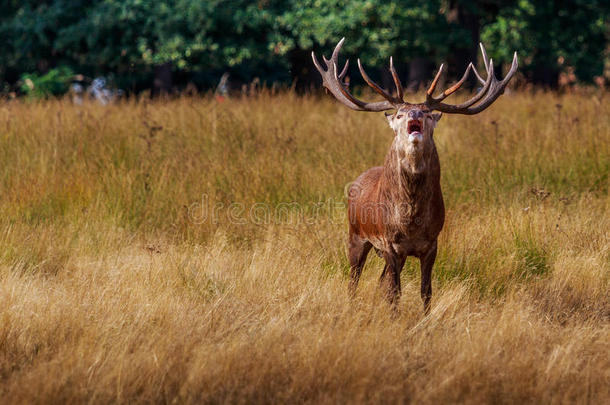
(406, 177)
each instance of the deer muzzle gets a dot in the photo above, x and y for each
(414, 131)
(413, 126)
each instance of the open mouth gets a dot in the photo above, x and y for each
(414, 126)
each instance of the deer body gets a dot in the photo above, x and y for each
(398, 208)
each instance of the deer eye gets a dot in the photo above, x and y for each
(399, 116)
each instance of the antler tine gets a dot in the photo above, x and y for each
(343, 90)
(486, 83)
(453, 88)
(484, 54)
(498, 87)
(344, 71)
(491, 90)
(485, 63)
(376, 87)
(334, 83)
(399, 90)
(334, 58)
(316, 63)
(432, 87)
(456, 86)
(481, 93)
(476, 73)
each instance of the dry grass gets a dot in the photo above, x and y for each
(147, 255)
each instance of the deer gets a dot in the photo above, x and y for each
(398, 208)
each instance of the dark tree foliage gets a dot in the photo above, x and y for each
(135, 41)
(553, 36)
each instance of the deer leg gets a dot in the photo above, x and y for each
(390, 278)
(426, 263)
(383, 275)
(358, 251)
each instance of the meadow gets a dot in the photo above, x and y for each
(193, 251)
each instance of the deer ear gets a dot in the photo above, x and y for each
(436, 117)
(389, 117)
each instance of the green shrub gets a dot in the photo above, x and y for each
(53, 83)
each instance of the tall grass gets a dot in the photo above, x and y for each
(193, 251)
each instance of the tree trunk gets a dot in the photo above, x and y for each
(303, 72)
(465, 15)
(162, 83)
(420, 71)
(545, 75)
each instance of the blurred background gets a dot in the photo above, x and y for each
(50, 47)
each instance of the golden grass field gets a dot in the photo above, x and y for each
(190, 251)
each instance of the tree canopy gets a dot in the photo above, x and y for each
(197, 41)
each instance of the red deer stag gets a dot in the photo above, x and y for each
(398, 208)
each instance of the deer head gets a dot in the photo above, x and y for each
(413, 124)
(413, 128)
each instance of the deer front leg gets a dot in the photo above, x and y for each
(358, 249)
(426, 263)
(390, 278)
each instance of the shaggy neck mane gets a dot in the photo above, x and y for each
(404, 187)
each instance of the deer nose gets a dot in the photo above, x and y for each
(415, 114)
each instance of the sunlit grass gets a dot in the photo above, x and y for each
(194, 251)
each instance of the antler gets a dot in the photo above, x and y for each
(334, 83)
(492, 89)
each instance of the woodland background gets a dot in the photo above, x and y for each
(164, 46)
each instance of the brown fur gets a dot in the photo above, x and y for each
(398, 209)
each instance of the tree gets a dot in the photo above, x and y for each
(141, 42)
(552, 35)
(133, 39)
(29, 29)
(411, 31)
